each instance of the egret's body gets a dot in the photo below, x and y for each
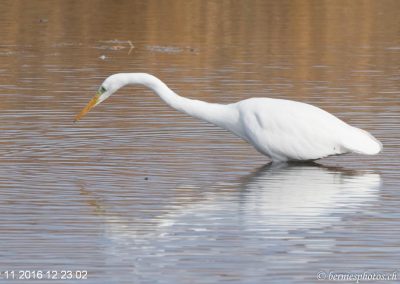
(281, 129)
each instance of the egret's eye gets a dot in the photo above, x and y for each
(102, 90)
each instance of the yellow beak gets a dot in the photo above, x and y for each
(93, 102)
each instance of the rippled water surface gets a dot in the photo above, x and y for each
(139, 193)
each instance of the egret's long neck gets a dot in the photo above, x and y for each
(224, 116)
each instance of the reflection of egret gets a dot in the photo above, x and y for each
(281, 194)
(275, 196)
(281, 129)
(266, 219)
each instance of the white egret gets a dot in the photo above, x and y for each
(280, 129)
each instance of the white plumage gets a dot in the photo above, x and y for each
(289, 130)
(281, 129)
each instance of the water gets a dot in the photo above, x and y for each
(138, 193)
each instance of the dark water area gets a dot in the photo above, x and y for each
(139, 193)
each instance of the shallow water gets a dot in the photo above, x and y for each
(138, 193)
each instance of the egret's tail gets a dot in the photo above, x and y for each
(361, 142)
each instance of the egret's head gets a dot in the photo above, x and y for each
(106, 89)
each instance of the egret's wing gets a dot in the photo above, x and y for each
(361, 141)
(291, 130)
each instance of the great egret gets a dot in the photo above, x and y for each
(281, 129)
